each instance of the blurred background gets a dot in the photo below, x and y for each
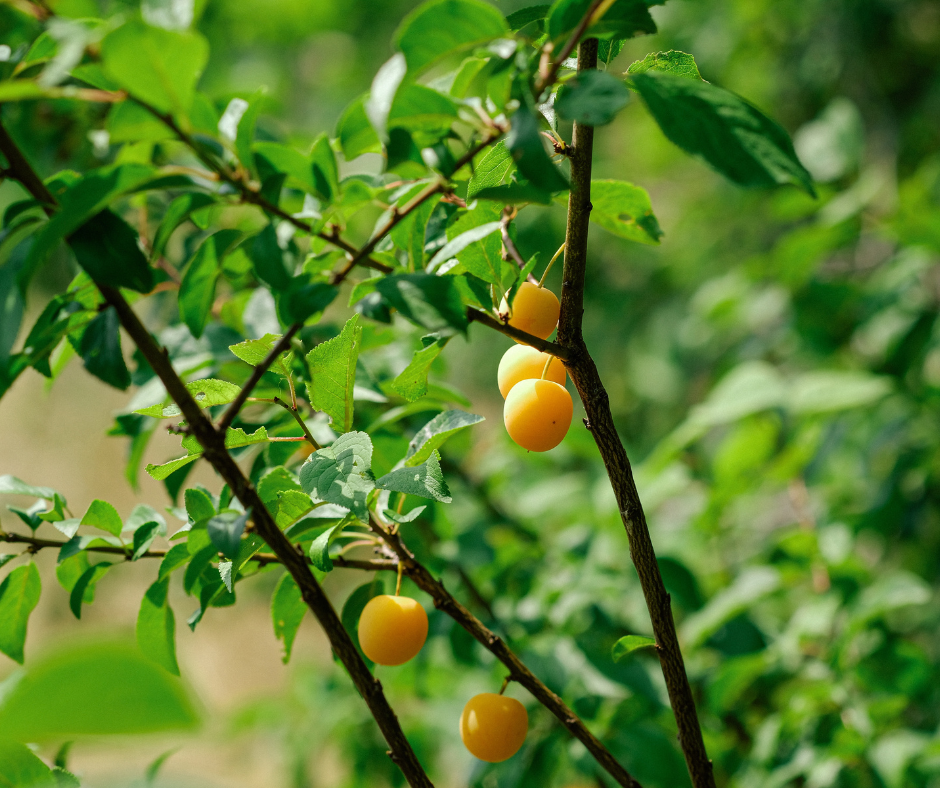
(773, 367)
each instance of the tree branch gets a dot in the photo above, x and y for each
(554, 349)
(213, 443)
(549, 77)
(445, 601)
(600, 422)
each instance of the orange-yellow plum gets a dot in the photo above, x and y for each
(534, 310)
(493, 727)
(523, 362)
(537, 414)
(392, 629)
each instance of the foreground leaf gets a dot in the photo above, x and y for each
(592, 97)
(156, 626)
(430, 301)
(225, 531)
(333, 374)
(720, 127)
(433, 434)
(86, 584)
(287, 612)
(106, 248)
(92, 691)
(342, 473)
(19, 595)
(681, 64)
(627, 645)
(21, 768)
(254, 351)
(425, 480)
(624, 210)
(100, 349)
(101, 514)
(412, 383)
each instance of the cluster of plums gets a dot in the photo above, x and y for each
(392, 630)
(538, 407)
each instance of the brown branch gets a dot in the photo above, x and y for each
(549, 77)
(477, 316)
(232, 410)
(445, 601)
(508, 244)
(299, 419)
(600, 422)
(213, 443)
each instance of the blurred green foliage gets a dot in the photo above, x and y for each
(773, 366)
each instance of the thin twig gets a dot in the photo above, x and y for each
(299, 419)
(584, 374)
(549, 77)
(232, 410)
(508, 244)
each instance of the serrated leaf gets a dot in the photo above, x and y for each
(433, 434)
(100, 349)
(412, 383)
(627, 645)
(624, 210)
(342, 473)
(439, 28)
(158, 66)
(20, 767)
(88, 580)
(433, 302)
(254, 351)
(333, 374)
(207, 392)
(95, 690)
(161, 472)
(527, 147)
(19, 595)
(592, 97)
(291, 505)
(724, 130)
(410, 517)
(681, 64)
(287, 611)
(456, 245)
(425, 480)
(235, 438)
(103, 515)
(225, 531)
(225, 573)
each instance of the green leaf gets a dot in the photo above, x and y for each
(395, 517)
(103, 515)
(825, 391)
(268, 258)
(198, 504)
(303, 299)
(624, 210)
(592, 97)
(225, 531)
(287, 611)
(484, 259)
(355, 133)
(492, 170)
(425, 480)
(624, 19)
(207, 392)
(21, 768)
(225, 573)
(333, 374)
(143, 538)
(320, 547)
(254, 351)
(106, 247)
(325, 169)
(93, 691)
(156, 627)
(161, 472)
(433, 434)
(424, 113)
(527, 147)
(176, 213)
(19, 595)
(86, 583)
(197, 290)
(412, 383)
(342, 473)
(627, 645)
(291, 506)
(10, 485)
(100, 349)
(160, 67)
(681, 64)
(525, 16)
(275, 481)
(235, 438)
(430, 301)
(409, 234)
(716, 125)
(382, 93)
(467, 238)
(178, 555)
(439, 28)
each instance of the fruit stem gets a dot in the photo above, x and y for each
(505, 684)
(550, 264)
(545, 368)
(401, 568)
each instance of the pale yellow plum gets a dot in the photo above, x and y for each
(392, 629)
(534, 310)
(493, 727)
(537, 414)
(523, 362)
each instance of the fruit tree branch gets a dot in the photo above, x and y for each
(213, 443)
(552, 348)
(600, 422)
(518, 672)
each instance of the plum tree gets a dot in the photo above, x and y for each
(537, 414)
(534, 310)
(392, 629)
(523, 362)
(493, 727)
